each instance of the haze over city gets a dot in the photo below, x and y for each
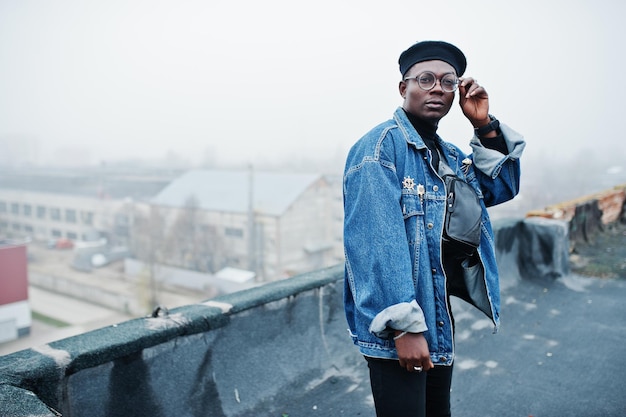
(215, 83)
(158, 157)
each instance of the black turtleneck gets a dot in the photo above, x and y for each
(428, 131)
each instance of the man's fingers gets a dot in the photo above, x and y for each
(469, 87)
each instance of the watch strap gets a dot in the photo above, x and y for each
(494, 124)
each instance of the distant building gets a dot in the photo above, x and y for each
(15, 315)
(273, 224)
(44, 204)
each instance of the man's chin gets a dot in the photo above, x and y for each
(436, 115)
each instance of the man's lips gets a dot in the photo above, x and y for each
(433, 104)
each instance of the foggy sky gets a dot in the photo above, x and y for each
(245, 81)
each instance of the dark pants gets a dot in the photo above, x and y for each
(399, 393)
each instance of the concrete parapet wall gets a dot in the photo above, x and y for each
(533, 249)
(234, 355)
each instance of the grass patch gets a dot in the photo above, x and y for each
(604, 256)
(593, 269)
(49, 320)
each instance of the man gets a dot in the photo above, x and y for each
(400, 267)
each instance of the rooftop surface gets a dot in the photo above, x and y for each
(558, 353)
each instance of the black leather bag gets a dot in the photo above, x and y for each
(463, 215)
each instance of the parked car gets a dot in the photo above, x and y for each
(60, 243)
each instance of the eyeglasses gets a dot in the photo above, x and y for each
(427, 81)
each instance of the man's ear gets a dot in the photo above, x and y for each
(402, 88)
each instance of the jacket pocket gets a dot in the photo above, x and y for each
(411, 204)
(413, 213)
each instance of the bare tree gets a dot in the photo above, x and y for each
(148, 245)
(191, 242)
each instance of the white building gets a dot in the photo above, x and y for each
(274, 224)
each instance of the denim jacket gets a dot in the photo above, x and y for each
(394, 207)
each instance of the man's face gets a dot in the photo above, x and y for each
(429, 105)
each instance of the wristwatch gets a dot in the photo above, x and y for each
(492, 125)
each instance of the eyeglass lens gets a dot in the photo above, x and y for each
(428, 80)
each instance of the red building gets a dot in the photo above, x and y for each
(15, 316)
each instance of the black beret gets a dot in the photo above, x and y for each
(433, 50)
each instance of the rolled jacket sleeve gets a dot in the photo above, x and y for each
(407, 317)
(490, 161)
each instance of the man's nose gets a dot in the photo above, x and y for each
(437, 87)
